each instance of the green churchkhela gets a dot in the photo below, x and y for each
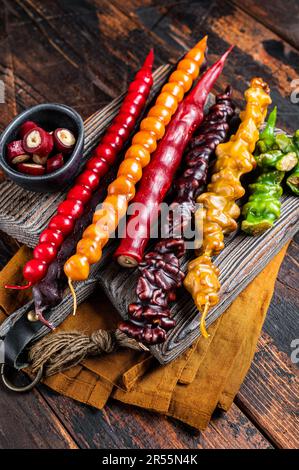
(293, 181)
(277, 154)
(293, 178)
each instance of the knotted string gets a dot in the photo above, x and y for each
(61, 351)
(203, 329)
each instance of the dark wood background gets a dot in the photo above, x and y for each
(83, 53)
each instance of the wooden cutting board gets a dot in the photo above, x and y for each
(23, 215)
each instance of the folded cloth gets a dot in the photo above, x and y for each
(209, 373)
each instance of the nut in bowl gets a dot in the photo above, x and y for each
(41, 149)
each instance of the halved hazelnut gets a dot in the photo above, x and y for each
(20, 159)
(39, 160)
(31, 169)
(64, 140)
(39, 142)
(33, 139)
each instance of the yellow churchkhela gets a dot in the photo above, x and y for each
(219, 210)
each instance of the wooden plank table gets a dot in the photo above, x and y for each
(83, 54)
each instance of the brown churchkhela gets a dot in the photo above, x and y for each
(160, 274)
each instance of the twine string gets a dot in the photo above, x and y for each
(61, 351)
(73, 292)
(203, 329)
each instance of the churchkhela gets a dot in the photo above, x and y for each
(263, 206)
(279, 155)
(293, 181)
(49, 292)
(278, 151)
(160, 274)
(219, 210)
(293, 178)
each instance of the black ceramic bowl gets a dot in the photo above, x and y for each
(49, 117)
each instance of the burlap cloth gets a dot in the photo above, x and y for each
(208, 375)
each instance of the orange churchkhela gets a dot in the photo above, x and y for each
(122, 190)
(218, 212)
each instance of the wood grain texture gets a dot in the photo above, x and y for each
(272, 379)
(28, 423)
(126, 427)
(282, 321)
(281, 17)
(269, 395)
(258, 50)
(114, 36)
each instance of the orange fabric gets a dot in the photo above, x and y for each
(209, 373)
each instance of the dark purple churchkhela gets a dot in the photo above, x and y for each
(160, 273)
(212, 132)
